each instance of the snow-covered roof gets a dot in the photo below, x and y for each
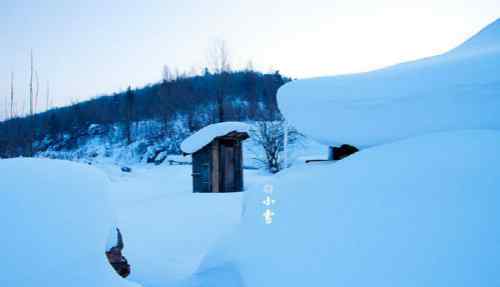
(207, 134)
(456, 90)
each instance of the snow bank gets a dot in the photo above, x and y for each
(54, 222)
(456, 90)
(429, 217)
(167, 229)
(204, 136)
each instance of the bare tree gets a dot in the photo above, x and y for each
(219, 57)
(37, 91)
(219, 60)
(269, 136)
(129, 114)
(6, 109)
(47, 96)
(31, 122)
(12, 95)
(167, 74)
(31, 84)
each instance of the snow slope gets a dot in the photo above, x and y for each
(167, 229)
(419, 212)
(457, 90)
(55, 219)
(204, 136)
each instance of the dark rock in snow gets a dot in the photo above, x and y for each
(116, 258)
(126, 169)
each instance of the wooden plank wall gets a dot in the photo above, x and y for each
(238, 163)
(215, 170)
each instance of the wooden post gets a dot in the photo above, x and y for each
(215, 186)
(330, 152)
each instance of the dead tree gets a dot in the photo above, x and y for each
(219, 60)
(31, 122)
(129, 114)
(12, 95)
(47, 96)
(37, 92)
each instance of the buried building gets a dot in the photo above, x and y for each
(217, 157)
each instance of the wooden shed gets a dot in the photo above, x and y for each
(217, 159)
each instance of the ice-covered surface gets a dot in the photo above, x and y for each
(55, 219)
(204, 136)
(457, 90)
(419, 212)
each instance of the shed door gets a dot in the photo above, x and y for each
(201, 171)
(228, 167)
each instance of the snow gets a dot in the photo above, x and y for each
(205, 135)
(55, 221)
(419, 212)
(454, 91)
(167, 229)
(417, 206)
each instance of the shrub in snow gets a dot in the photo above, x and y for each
(126, 169)
(55, 220)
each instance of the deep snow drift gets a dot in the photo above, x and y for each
(167, 228)
(54, 223)
(457, 90)
(420, 212)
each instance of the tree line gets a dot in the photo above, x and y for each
(213, 96)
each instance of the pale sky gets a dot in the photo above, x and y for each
(94, 47)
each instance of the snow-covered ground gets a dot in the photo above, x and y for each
(167, 229)
(417, 206)
(419, 212)
(55, 218)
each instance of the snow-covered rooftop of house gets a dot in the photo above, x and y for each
(457, 90)
(204, 136)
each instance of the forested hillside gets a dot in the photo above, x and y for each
(159, 110)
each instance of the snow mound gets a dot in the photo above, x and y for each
(205, 135)
(429, 217)
(55, 222)
(486, 40)
(456, 90)
(167, 229)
